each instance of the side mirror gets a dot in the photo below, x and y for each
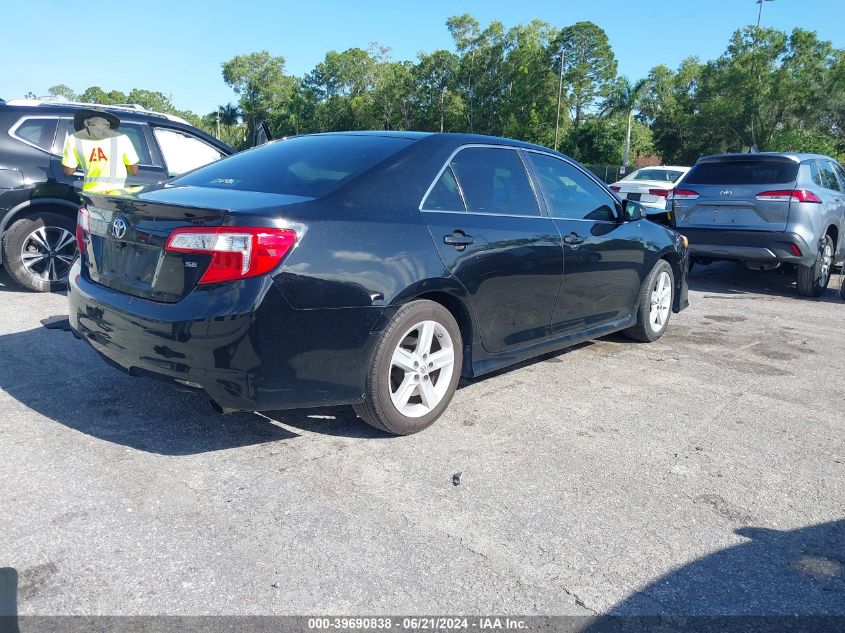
(632, 211)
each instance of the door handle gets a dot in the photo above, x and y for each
(574, 239)
(458, 239)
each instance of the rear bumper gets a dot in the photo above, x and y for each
(242, 344)
(760, 246)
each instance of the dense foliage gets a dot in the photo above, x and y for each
(770, 91)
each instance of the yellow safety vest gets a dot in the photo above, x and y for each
(103, 162)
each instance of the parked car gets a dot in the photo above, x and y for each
(371, 269)
(650, 185)
(767, 210)
(38, 203)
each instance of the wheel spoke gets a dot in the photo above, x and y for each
(67, 259)
(53, 276)
(40, 237)
(426, 332)
(65, 239)
(428, 394)
(440, 359)
(30, 259)
(404, 392)
(404, 360)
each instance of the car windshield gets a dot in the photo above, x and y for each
(742, 172)
(662, 175)
(309, 166)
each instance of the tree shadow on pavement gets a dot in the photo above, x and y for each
(61, 378)
(776, 581)
(733, 278)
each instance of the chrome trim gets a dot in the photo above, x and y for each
(495, 215)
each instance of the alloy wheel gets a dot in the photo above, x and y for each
(661, 301)
(48, 252)
(421, 369)
(825, 262)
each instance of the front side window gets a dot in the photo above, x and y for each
(37, 132)
(444, 196)
(183, 152)
(132, 130)
(494, 181)
(570, 193)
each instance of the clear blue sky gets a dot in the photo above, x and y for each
(176, 47)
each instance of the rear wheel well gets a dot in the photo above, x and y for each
(834, 235)
(41, 207)
(459, 311)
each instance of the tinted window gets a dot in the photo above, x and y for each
(494, 181)
(828, 176)
(663, 175)
(815, 173)
(742, 172)
(445, 196)
(570, 193)
(310, 166)
(38, 132)
(133, 130)
(184, 152)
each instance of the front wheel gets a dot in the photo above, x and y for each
(38, 251)
(655, 305)
(812, 280)
(414, 369)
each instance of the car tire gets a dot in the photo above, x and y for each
(813, 280)
(654, 307)
(414, 369)
(38, 250)
(842, 286)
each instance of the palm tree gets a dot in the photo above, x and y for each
(625, 98)
(229, 115)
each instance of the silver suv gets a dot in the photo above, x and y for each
(767, 210)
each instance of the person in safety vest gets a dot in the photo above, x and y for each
(103, 154)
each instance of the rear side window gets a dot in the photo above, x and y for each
(742, 172)
(309, 166)
(828, 176)
(444, 196)
(494, 181)
(37, 132)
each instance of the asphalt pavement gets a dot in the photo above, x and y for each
(702, 474)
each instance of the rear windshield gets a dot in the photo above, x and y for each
(310, 166)
(742, 172)
(663, 175)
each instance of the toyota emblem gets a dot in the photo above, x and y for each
(726, 193)
(118, 228)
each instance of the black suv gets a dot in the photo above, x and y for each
(38, 203)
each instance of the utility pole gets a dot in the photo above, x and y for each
(760, 10)
(559, 95)
(218, 123)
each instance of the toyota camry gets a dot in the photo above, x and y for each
(367, 268)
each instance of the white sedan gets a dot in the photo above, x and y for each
(649, 185)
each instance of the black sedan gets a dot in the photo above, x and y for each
(367, 268)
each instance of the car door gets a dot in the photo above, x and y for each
(485, 219)
(603, 258)
(149, 173)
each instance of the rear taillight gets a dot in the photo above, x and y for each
(661, 193)
(236, 252)
(789, 195)
(82, 227)
(795, 250)
(615, 188)
(682, 194)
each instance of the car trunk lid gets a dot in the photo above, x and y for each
(125, 248)
(648, 191)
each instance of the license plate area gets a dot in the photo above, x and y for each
(634, 196)
(133, 264)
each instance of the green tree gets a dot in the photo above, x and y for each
(624, 99)
(61, 90)
(589, 66)
(434, 78)
(260, 81)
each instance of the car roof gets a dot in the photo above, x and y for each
(129, 113)
(447, 138)
(794, 157)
